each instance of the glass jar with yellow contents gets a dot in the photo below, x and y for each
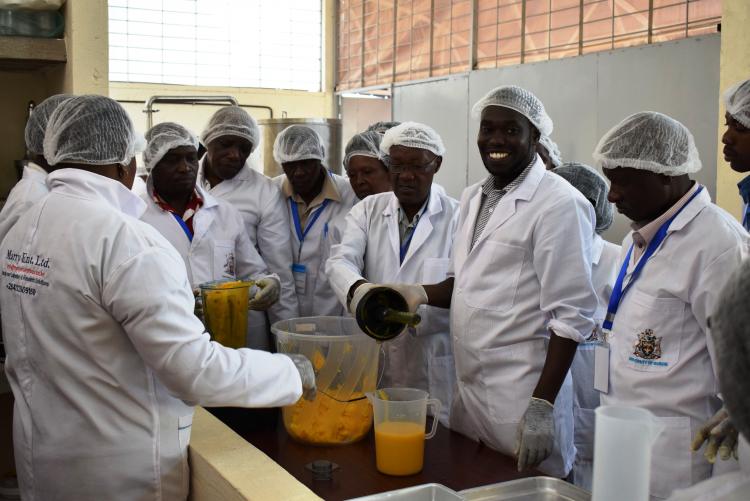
(225, 310)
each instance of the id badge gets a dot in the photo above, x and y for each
(299, 271)
(601, 367)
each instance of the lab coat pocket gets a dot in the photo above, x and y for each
(493, 283)
(224, 259)
(441, 374)
(671, 466)
(184, 426)
(650, 332)
(435, 270)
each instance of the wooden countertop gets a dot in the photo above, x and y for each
(450, 459)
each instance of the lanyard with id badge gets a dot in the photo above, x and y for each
(602, 350)
(299, 270)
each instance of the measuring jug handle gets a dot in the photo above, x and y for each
(435, 404)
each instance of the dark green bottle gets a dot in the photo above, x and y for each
(383, 314)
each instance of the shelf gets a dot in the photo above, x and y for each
(27, 53)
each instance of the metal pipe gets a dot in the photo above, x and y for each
(194, 100)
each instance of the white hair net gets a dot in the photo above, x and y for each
(37, 123)
(412, 135)
(162, 138)
(518, 99)
(365, 144)
(729, 333)
(649, 141)
(298, 142)
(232, 121)
(737, 102)
(594, 187)
(381, 127)
(91, 130)
(552, 150)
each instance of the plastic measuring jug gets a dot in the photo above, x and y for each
(400, 415)
(345, 361)
(225, 310)
(622, 453)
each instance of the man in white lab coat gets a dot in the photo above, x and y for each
(230, 136)
(208, 232)
(317, 202)
(105, 350)
(31, 188)
(404, 236)
(520, 296)
(681, 252)
(736, 140)
(605, 261)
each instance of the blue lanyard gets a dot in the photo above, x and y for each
(405, 246)
(618, 292)
(298, 226)
(183, 225)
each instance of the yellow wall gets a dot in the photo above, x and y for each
(735, 66)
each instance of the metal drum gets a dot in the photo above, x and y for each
(328, 128)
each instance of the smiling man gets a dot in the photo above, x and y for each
(736, 140)
(520, 291)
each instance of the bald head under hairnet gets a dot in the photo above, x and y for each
(553, 152)
(737, 102)
(381, 127)
(365, 144)
(594, 187)
(37, 123)
(232, 121)
(413, 135)
(518, 99)
(91, 130)
(162, 138)
(729, 331)
(298, 142)
(649, 141)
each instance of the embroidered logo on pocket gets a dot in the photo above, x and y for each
(229, 265)
(648, 346)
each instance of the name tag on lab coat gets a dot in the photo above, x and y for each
(299, 271)
(601, 367)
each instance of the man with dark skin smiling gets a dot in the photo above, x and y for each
(520, 296)
(404, 236)
(736, 140)
(367, 173)
(230, 136)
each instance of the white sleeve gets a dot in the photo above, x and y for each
(562, 261)
(150, 296)
(346, 262)
(249, 262)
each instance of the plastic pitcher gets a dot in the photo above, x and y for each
(400, 415)
(346, 367)
(225, 310)
(622, 453)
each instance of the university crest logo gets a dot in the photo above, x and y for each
(648, 346)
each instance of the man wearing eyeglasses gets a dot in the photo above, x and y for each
(404, 236)
(317, 202)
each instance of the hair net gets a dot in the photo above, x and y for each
(232, 121)
(552, 150)
(37, 124)
(594, 188)
(381, 127)
(729, 333)
(91, 130)
(298, 142)
(162, 138)
(518, 99)
(649, 141)
(412, 135)
(737, 102)
(366, 144)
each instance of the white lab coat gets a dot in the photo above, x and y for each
(318, 297)
(139, 187)
(421, 357)
(605, 265)
(28, 191)
(528, 273)
(220, 247)
(262, 207)
(673, 297)
(103, 349)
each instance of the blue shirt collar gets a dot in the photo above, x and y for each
(744, 187)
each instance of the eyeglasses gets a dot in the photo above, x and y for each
(414, 169)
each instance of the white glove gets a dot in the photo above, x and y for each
(198, 309)
(268, 293)
(536, 434)
(720, 435)
(306, 373)
(414, 294)
(359, 293)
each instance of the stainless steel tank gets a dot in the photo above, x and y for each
(328, 128)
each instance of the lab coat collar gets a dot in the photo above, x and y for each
(91, 186)
(688, 213)
(597, 248)
(34, 172)
(245, 174)
(423, 230)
